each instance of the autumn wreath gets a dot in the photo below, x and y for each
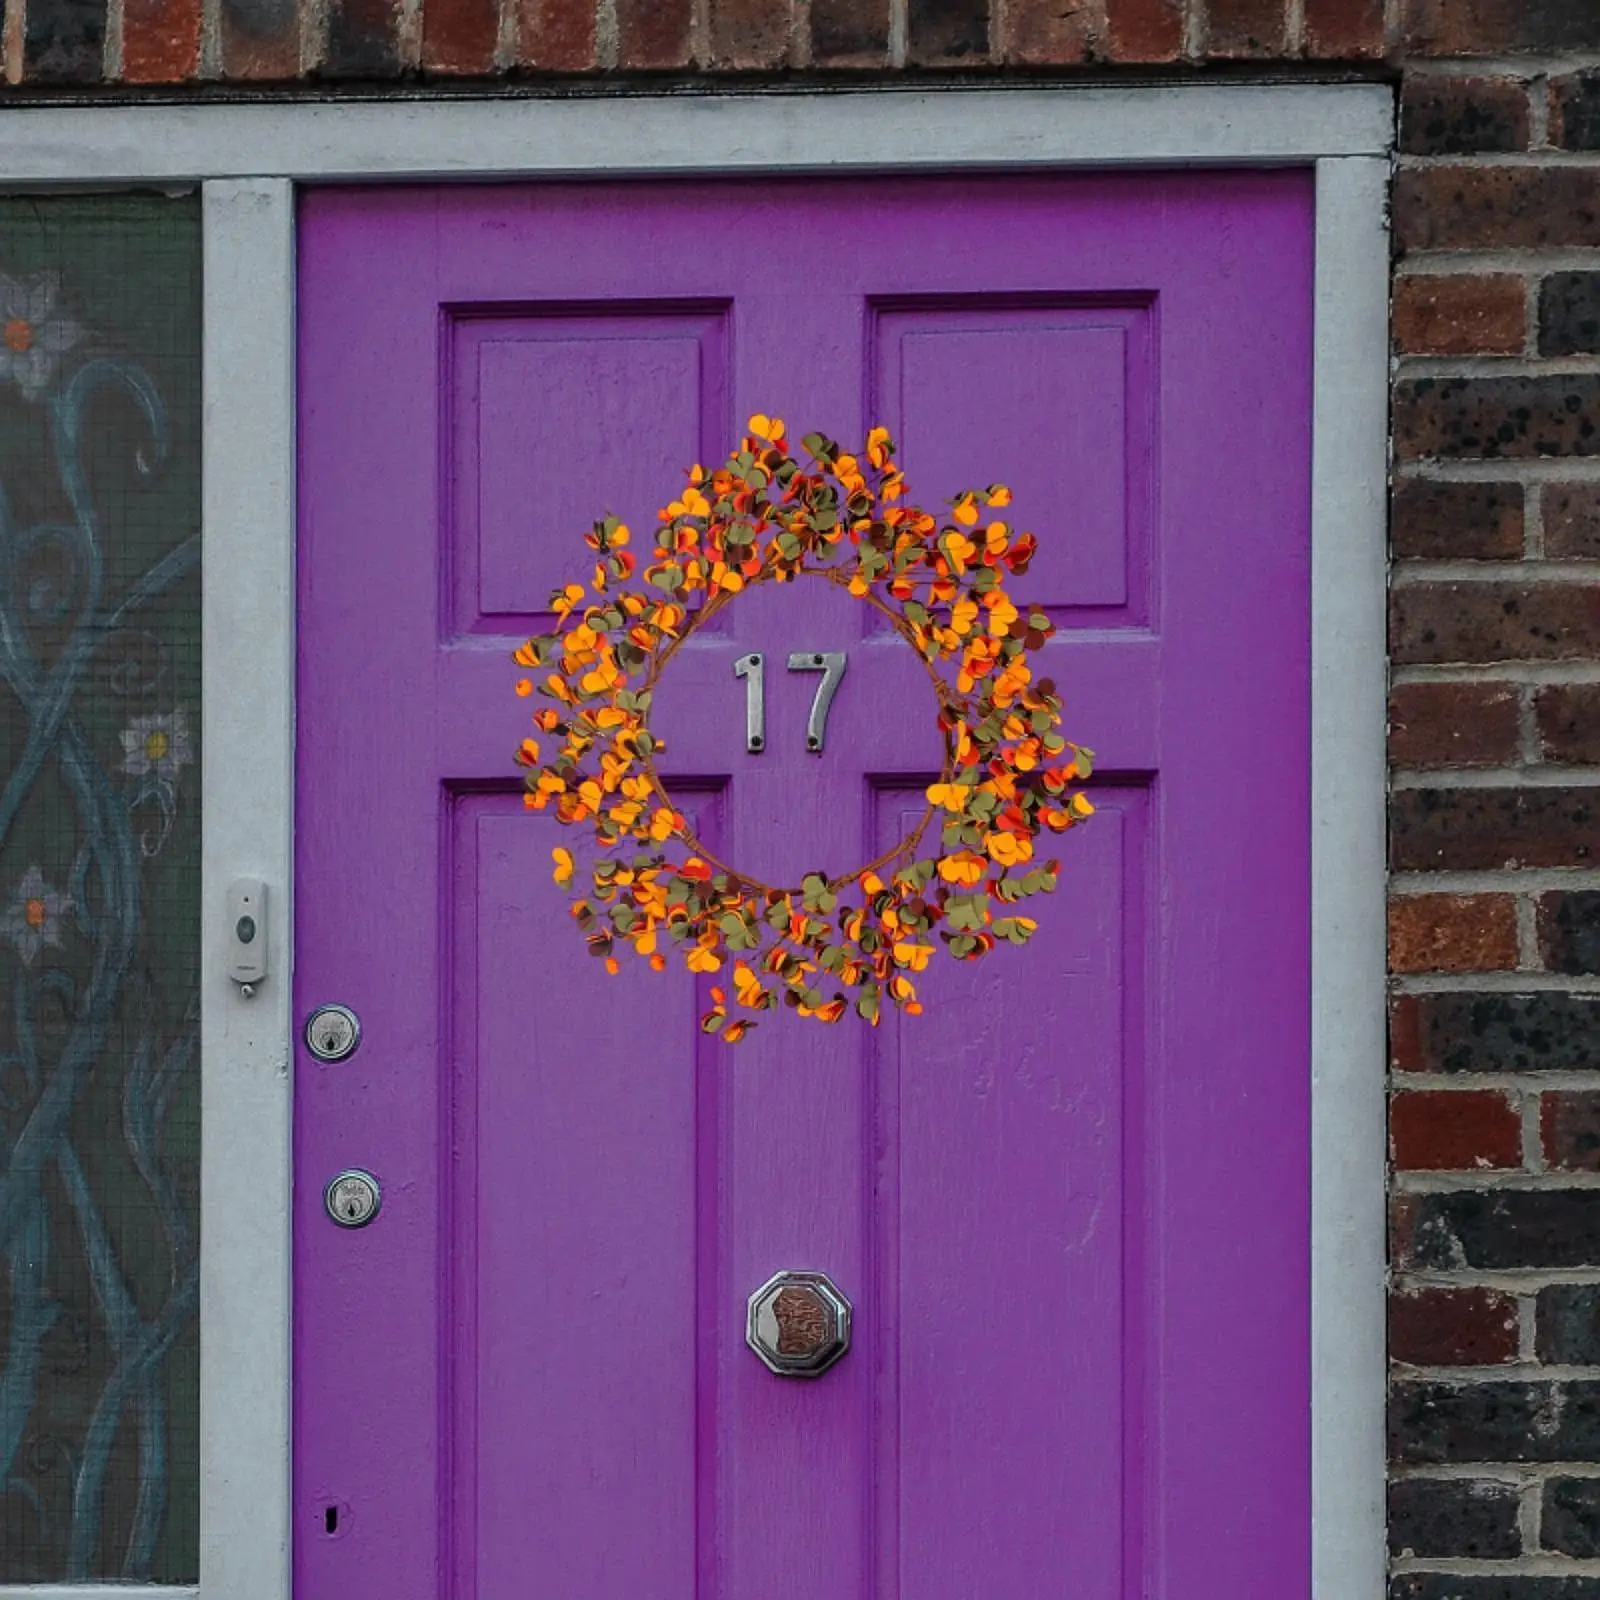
(828, 943)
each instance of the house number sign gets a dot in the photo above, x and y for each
(752, 668)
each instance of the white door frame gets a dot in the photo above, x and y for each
(249, 158)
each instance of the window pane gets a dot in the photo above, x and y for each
(99, 887)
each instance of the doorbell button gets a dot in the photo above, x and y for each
(247, 932)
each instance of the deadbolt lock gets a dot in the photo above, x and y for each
(332, 1033)
(352, 1198)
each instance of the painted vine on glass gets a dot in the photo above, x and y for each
(99, 901)
(827, 946)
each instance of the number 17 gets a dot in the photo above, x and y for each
(752, 668)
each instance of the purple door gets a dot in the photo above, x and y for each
(1069, 1203)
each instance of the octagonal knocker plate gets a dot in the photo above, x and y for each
(798, 1324)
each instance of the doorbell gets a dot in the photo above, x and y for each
(247, 933)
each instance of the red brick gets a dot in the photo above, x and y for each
(1569, 1130)
(1575, 111)
(1471, 1519)
(1453, 725)
(750, 33)
(1569, 932)
(556, 35)
(160, 40)
(1474, 830)
(1495, 418)
(260, 40)
(1247, 28)
(1497, 27)
(849, 32)
(1452, 1327)
(1049, 32)
(1460, 315)
(363, 40)
(1454, 1131)
(1453, 933)
(1406, 1048)
(1571, 515)
(1467, 1031)
(1568, 716)
(1344, 30)
(654, 33)
(947, 32)
(458, 36)
(1456, 521)
(1454, 116)
(1569, 314)
(63, 41)
(1490, 208)
(1433, 623)
(1144, 30)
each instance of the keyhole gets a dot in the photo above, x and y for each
(352, 1207)
(330, 1519)
(330, 1042)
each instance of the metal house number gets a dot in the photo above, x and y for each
(752, 668)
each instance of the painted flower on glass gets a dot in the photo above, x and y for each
(34, 332)
(33, 919)
(157, 746)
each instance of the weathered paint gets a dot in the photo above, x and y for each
(1070, 1202)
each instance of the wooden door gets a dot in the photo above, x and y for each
(1070, 1202)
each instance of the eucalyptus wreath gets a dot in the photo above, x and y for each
(957, 879)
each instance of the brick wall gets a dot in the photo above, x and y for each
(1495, 915)
(1495, 824)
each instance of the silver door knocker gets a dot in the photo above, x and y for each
(798, 1323)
